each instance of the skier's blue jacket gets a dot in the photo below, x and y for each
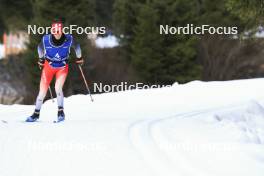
(58, 55)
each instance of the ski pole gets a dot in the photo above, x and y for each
(51, 95)
(85, 82)
(49, 90)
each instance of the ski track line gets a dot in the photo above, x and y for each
(155, 123)
(141, 138)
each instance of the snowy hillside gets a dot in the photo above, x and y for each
(195, 129)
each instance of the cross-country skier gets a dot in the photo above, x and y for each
(54, 51)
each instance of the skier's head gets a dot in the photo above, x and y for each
(56, 28)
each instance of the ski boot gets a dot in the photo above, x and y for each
(61, 115)
(34, 117)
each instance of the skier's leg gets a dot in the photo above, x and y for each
(61, 76)
(46, 77)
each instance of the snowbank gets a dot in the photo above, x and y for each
(199, 128)
(221, 141)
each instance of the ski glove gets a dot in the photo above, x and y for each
(79, 61)
(41, 62)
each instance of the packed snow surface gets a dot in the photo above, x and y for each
(194, 129)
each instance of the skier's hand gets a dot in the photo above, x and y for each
(41, 63)
(79, 61)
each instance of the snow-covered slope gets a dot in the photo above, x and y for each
(199, 128)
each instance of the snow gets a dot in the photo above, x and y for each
(2, 51)
(107, 42)
(199, 128)
(260, 32)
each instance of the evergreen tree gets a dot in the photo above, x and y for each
(147, 45)
(249, 11)
(103, 12)
(15, 14)
(124, 19)
(165, 59)
(216, 13)
(2, 27)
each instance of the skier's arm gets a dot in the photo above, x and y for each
(78, 52)
(41, 60)
(41, 50)
(77, 49)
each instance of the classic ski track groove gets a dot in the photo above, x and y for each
(141, 138)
